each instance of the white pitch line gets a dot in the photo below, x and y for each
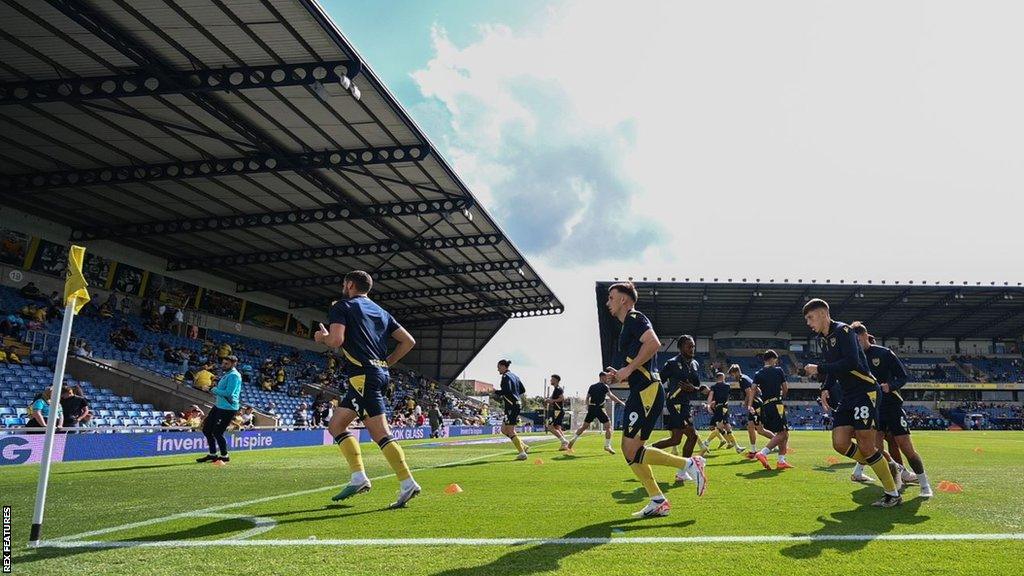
(769, 539)
(202, 511)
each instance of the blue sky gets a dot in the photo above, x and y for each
(803, 139)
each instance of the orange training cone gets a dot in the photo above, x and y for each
(832, 460)
(219, 463)
(538, 462)
(978, 450)
(950, 487)
(453, 489)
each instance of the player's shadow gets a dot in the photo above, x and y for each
(865, 519)
(833, 468)
(760, 473)
(126, 468)
(465, 464)
(545, 558)
(639, 494)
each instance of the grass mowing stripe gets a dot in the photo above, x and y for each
(202, 511)
(532, 541)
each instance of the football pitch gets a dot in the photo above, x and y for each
(269, 512)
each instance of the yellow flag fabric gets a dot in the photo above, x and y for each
(75, 285)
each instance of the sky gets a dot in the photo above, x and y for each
(812, 139)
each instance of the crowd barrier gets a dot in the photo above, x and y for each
(28, 448)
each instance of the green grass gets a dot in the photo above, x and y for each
(589, 494)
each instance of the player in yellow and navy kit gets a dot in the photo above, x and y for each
(633, 364)
(596, 395)
(681, 373)
(511, 391)
(556, 407)
(718, 405)
(846, 378)
(751, 395)
(361, 329)
(771, 382)
(892, 420)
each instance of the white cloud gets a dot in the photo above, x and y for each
(805, 139)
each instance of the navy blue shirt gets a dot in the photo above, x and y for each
(720, 392)
(511, 388)
(556, 394)
(887, 369)
(597, 393)
(628, 346)
(745, 383)
(770, 380)
(845, 364)
(367, 328)
(677, 371)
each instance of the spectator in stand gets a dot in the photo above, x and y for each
(420, 419)
(204, 378)
(75, 408)
(31, 291)
(193, 417)
(126, 305)
(146, 353)
(301, 417)
(280, 377)
(224, 350)
(271, 409)
(248, 417)
(12, 325)
(170, 420)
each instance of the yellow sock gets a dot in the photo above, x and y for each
(353, 455)
(731, 438)
(714, 434)
(656, 457)
(646, 476)
(854, 452)
(517, 443)
(396, 458)
(881, 467)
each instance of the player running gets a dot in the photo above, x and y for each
(632, 363)
(718, 405)
(845, 376)
(361, 328)
(596, 395)
(683, 375)
(771, 381)
(892, 420)
(556, 403)
(511, 391)
(752, 407)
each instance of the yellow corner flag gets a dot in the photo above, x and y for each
(75, 285)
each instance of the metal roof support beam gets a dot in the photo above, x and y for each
(449, 320)
(431, 292)
(968, 313)
(441, 308)
(382, 247)
(882, 311)
(989, 327)
(254, 164)
(284, 218)
(796, 307)
(746, 308)
(382, 275)
(901, 329)
(143, 83)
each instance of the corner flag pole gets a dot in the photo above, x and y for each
(76, 295)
